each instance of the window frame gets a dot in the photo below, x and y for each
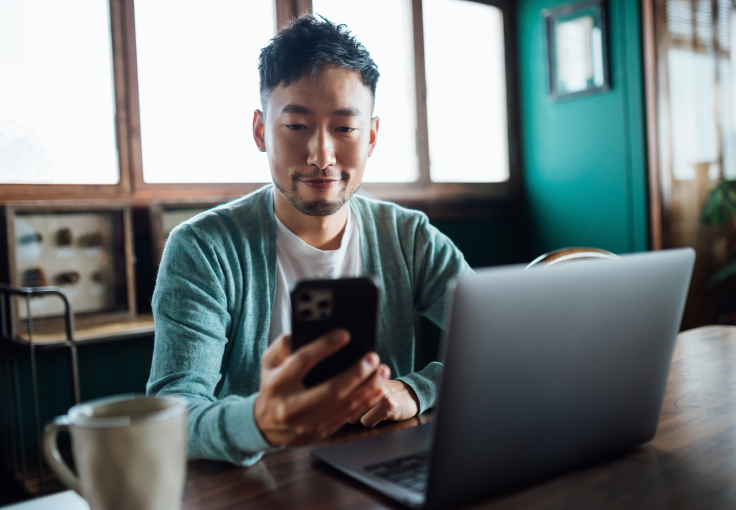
(422, 193)
(123, 187)
(466, 193)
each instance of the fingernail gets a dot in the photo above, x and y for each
(370, 361)
(337, 337)
(385, 372)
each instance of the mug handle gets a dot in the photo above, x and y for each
(53, 457)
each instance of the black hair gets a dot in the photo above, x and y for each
(307, 45)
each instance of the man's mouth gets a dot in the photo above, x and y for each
(320, 183)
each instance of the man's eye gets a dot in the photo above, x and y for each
(345, 129)
(296, 127)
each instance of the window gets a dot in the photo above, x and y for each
(198, 88)
(700, 88)
(466, 106)
(145, 99)
(395, 158)
(468, 131)
(57, 120)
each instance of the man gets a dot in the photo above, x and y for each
(221, 303)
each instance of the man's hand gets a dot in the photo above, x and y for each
(399, 403)
(287, 413)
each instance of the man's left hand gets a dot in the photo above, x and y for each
(399, 403)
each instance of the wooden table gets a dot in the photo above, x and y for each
(691, 463)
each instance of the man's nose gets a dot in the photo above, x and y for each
(321, 150)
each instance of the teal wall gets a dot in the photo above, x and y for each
(105, 369)
(584, 158)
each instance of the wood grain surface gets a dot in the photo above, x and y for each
(135, 327)
(691, 463)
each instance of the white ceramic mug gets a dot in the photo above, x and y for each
(130, 452)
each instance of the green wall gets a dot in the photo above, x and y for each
(584, 158)
(105, 369)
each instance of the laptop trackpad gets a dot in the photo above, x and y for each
(353, 457)
(375, 449)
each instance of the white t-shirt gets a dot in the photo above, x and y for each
(296, 260)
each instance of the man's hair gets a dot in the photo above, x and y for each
(308, 45)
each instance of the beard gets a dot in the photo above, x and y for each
(315, 207)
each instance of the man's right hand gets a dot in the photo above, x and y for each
(287, 413)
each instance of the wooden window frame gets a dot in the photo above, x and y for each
(423, 193)
(123, 188)
(656, 43)
(426, 193)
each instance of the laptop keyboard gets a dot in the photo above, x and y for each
(410, 472)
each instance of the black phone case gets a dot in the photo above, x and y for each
(320, 306)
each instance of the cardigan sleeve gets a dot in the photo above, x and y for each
(192, 322)
(436, 261)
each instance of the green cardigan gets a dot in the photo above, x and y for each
(213, 299)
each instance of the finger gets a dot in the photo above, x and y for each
(306, 357)
(328, 398)
(277, 352)
(316, 406)
(329, 424)
(320, 409)
(355, 418)
(342, 385)
(363, 398)
(384, 373)
(340, 419)
(380, 412)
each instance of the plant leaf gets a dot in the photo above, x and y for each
(722, 274)
(720, 204)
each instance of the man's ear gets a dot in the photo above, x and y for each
(374, 135)
(259, 126)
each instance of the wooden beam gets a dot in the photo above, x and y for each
(420, 79)
(117, 24)
(287, 10)
(650, 104)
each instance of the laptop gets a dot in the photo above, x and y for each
(546, 369)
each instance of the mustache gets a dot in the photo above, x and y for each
(320, 174)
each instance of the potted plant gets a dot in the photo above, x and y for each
(720, 210)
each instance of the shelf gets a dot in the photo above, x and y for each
(121, 330)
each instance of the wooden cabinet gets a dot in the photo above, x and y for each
(83, 247)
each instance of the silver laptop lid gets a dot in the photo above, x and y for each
(550, 368)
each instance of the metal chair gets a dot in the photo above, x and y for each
(10, 346)
(573, 254)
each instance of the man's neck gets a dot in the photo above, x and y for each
(321, 232)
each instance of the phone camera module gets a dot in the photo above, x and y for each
(314, 304)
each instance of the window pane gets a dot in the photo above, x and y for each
(384, 27)
(466, 91)
(198, 88)
(57, 119)
(692, 112)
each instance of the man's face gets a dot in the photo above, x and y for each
(318, 135)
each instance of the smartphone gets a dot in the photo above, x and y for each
(320, 306)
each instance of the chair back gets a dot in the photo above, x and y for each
(573, 254)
